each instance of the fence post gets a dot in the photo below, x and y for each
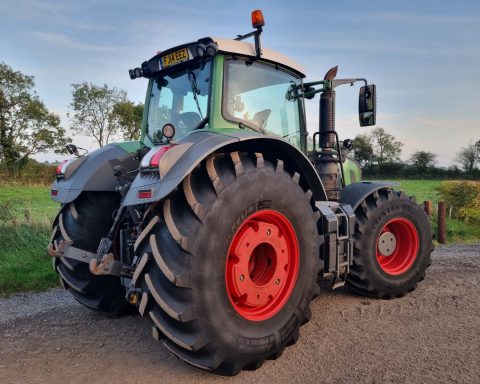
(427, 207)
(442, 218)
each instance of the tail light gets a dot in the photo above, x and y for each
(151, 160)
(62, 167)
(58, 171)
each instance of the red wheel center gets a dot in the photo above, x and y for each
(397, 246)
(262, 265)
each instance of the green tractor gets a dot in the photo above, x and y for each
(218, 223)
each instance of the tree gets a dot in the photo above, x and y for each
(128, 116)
(92, 107)
(377, 147)
(363, 148)
(468, 157)
(386, 148)
(26, 125)
(423, 160)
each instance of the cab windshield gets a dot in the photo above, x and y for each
(179, 98)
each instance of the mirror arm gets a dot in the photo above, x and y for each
(310, 94)
(327, 85)
(336, 83)
(293, 93)
(311, 84)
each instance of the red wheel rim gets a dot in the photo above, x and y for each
(397, 258)
(262, 265)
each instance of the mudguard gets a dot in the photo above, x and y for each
(93, 172)
(355, 193)
(188, 152)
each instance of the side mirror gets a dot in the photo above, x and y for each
(367, 108)
(72, 149)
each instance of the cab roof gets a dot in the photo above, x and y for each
(248, 49)
(154, 65)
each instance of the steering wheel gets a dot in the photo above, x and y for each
(185, 122)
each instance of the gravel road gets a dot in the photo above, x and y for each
(431, 335)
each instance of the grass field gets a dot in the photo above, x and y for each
(25, 265)
(36, 199)
(421, 189)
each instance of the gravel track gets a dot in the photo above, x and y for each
(431, 335)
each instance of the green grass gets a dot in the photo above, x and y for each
(421, 189)
(33, 198)
(24, 262)
(460, 232)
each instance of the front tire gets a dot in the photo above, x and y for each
(229, 263)
(392, 245)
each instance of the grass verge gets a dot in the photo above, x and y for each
(24, 262)
(457, 230)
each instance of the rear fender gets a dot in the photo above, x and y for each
(189, 152)
(93, 172)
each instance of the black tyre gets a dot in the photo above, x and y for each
(392, 245)
(84, 221)
(237, 219)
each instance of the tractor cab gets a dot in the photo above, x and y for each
(221, 84)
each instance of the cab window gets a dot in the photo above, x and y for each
(255, 94)
(179, 98)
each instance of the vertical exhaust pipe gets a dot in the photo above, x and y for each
(327, 163)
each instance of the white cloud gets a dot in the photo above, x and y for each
(62, 40)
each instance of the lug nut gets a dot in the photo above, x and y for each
(268, 231)
(277, 282)
(242, 277)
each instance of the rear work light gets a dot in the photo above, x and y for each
(151, 160)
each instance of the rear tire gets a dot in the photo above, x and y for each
(392, 245)
(188, 276)
(85, 221)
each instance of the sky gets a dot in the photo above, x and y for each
(424, 56)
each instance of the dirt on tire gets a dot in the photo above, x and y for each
(430, 335)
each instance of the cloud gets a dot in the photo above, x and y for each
(62, 40)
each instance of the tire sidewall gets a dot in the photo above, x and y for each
(387, 211)
(263, 189)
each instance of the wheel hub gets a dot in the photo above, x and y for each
(262, 265)
(387, 243)
(397, 246)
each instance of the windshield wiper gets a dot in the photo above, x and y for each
(193, 83)
(290, 134)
